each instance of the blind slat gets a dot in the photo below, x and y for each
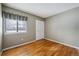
(14, 16)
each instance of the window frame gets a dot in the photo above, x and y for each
(17, 20)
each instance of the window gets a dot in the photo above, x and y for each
(21, 26)
(11, 25)
(14, 23)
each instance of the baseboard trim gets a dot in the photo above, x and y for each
(19, 45)
(63, 43)
(37, 40)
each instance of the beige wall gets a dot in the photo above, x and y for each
(64, 27)
(18, 38)
(0, 27)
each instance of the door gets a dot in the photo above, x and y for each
(39, 29)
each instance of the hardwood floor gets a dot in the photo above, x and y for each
(0, 53)
(42, 48)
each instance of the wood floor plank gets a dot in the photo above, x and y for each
(0, 53)
(42, 48)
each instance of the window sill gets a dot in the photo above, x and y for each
(15, 33)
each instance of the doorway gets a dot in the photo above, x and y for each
(39, 29)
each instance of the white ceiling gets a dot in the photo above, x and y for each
(42, 9)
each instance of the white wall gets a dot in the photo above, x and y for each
(19, 38)
(64, 27)
(0, 27)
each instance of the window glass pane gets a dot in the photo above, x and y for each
(22, 26)
(11, 25)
